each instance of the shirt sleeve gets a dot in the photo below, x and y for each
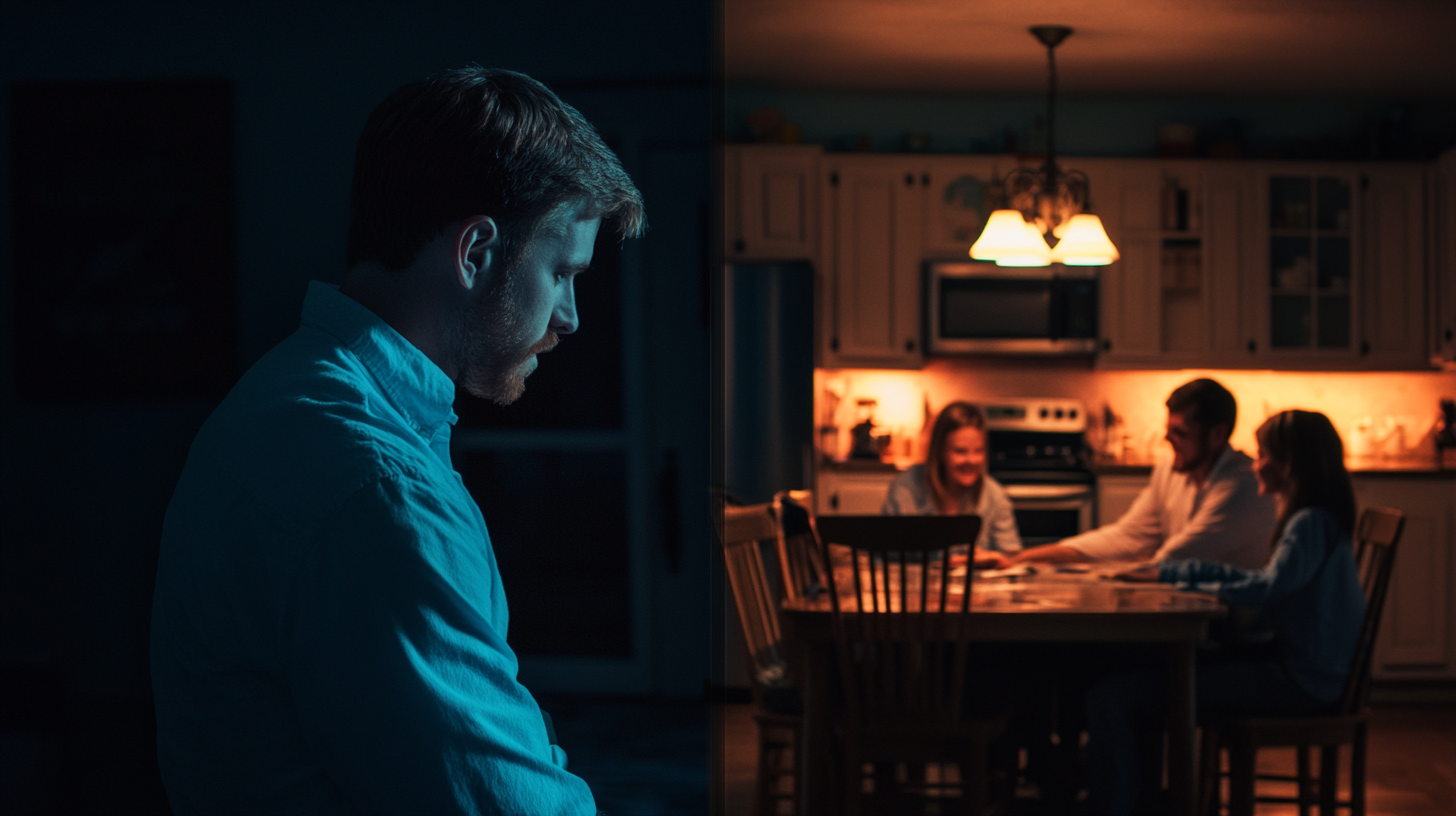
(1133, 537)
(1296, 559)
(1000, 520)
(1231, 524)
(399, 668)
(900, 499)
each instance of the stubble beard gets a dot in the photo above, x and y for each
(493, 353)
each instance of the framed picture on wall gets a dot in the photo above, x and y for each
(125, 247)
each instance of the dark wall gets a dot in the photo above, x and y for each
(84, 482)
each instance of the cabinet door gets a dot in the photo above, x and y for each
(959, 197)
(1392, 307)
(1127, 198)
(872, 281)
(852, 494)
(1416, 628)
(774, 193)
(1115, 494)
(1228, 220)
(1443, 319)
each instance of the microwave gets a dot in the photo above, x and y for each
(982, 308)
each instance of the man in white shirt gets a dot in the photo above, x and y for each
(1203, 504)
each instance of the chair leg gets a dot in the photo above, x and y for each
(1208, 773)
(1306, 797)
(1357, 772)
(1329, 779)
(1241, 780)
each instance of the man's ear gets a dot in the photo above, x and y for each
(1219, 433)
(477, 249)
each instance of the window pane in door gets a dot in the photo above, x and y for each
(1291, 263)
(1289, 203)
(1289, 321)
(1332, 205)
(1334, 264)
(1333, 320)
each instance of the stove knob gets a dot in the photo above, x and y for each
(1049, 450)
(1059, 413)
(1043, 413)
(1073, 413)
(1030, 451)
(1067, 451)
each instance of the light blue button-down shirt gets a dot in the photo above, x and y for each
(329, 626)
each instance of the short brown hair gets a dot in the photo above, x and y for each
(1208, 402)
(952, 418)
(477, 141)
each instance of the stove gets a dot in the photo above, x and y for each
(1036, 448)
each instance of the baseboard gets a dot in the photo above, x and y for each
(1408, 692)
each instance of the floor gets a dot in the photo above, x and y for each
(1411, 769)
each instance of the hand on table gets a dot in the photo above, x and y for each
(991, 559)
(1142, 572)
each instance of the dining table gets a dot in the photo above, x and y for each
(1027, 604)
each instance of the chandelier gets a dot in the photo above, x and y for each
(1045, 220)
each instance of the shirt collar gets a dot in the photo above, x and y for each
(417, 388)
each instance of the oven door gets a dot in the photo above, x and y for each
(1048, 513)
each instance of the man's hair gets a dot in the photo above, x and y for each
(1207, 402)
(952, 418)
(477, 141)
(1308, 445)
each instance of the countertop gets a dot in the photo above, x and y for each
(1393, 470)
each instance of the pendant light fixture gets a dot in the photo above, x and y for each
(1046, 220)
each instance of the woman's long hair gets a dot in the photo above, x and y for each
(952, 418)
(1309, 447)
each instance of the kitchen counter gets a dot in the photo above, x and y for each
(1393, 470)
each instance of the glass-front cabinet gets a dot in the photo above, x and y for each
(1312, 262)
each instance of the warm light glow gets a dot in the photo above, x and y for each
(1084, 243)
(1010, 241)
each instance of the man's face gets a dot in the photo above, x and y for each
(525, 311)
(1190, 441)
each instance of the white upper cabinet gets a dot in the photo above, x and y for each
(770, 202)
(871, 261)
(1443, 305)
(960, 193)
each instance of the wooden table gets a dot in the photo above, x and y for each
(1045, 608)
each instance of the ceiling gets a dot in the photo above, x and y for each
(1365, 48)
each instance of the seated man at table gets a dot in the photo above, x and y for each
(1202, 504)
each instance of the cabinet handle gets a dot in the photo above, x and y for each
(834, 344)
(1364, 347)
(1107, 345)
(924, 179)
(909, 345)
(738, 245)
(834, 179)
(1252, 346)
(834, 501)
(1448, 335)
(909, 179)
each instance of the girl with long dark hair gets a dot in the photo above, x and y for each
(1307, 598)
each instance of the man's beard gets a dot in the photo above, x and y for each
(492, 353)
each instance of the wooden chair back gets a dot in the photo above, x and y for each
(900, 594)
(1376, 535)
(801, 562)
(744, 530)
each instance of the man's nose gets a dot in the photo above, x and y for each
(563, 317)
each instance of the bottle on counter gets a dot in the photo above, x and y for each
(1446, 436)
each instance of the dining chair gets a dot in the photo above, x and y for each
(1376, 535)
(801, 564)
(746, 530)
(900, 596)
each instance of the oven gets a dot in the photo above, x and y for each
(1037, 450)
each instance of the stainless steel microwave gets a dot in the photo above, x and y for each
(981, 308)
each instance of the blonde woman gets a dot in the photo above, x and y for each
(953, 481)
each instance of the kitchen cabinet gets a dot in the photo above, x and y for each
(1115, 494)
(1417, 638)
(1255, 265)
(960, 193)
(770, 205)
(852, 492)
(1443, 304)
(871, 293)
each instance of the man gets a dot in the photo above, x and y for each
(329, 627)
(1203, 504)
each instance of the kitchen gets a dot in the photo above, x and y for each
(1189, 161)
